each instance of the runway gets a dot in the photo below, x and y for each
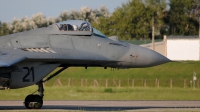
(106, 106)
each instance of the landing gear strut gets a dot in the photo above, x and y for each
(34, 101)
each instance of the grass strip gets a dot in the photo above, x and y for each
(102, 93)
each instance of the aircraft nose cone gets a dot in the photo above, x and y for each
(147, 57)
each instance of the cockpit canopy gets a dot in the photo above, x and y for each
(78, 27)
(74, 25)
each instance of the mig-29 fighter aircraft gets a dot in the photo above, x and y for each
(27, 57)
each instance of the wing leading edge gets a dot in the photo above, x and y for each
(7, 60)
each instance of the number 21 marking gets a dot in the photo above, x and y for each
(29, 72)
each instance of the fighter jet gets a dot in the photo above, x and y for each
(26, 58)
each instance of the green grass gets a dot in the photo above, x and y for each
(175, 70)
(101, 93)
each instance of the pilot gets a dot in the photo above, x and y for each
(61, 27)
(70, 27)
(64, 27)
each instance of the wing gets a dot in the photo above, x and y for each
(7, 60)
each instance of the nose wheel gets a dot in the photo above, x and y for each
(34, 101)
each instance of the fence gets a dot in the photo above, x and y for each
(184, 83)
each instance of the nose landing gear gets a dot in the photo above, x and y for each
(34, 101)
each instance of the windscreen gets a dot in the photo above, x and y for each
(98, 33)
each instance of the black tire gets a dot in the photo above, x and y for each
(38, 99)
(33, 98)
(28, 99)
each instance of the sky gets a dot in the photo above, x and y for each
(50, 8)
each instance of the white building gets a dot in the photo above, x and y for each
(182, 47)
(178, 47)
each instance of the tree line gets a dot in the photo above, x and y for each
(40, 20)
(132, 20)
